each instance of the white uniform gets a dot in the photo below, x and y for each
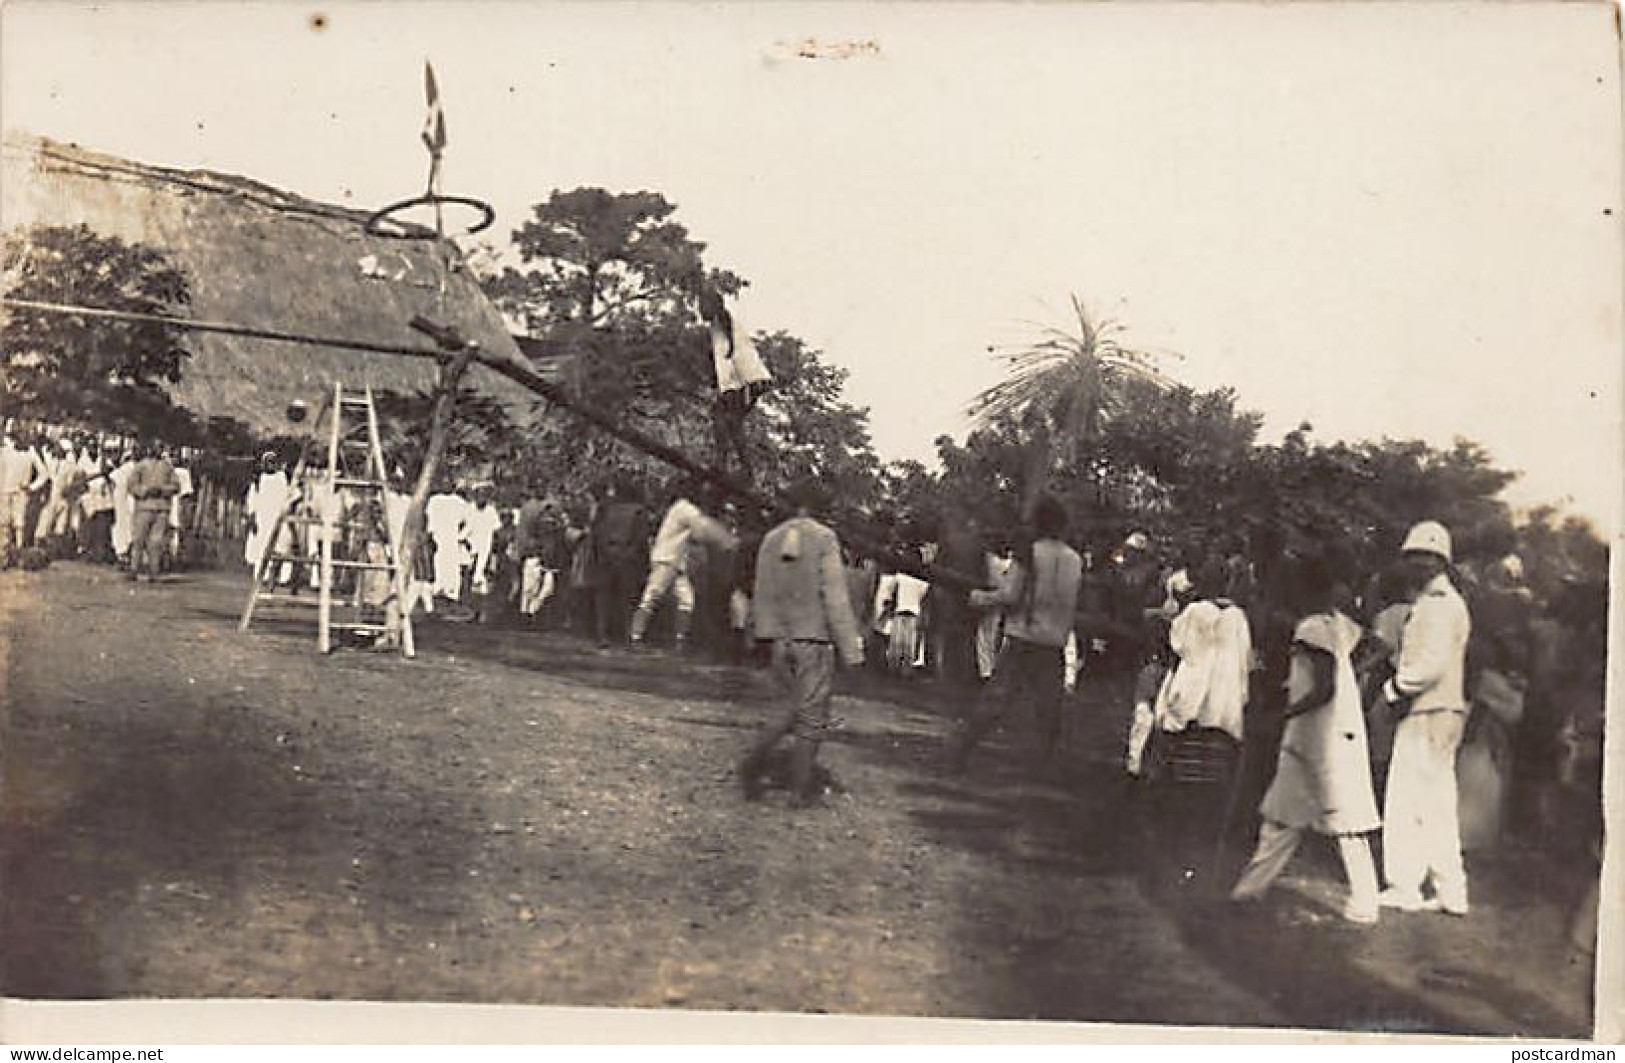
(444, 516)
(1422, 833)
(325, 504)
(1208, 688)
(735, 358)
(63, 473)
(668, 557)
(909, 645)
(480, 526)
(184, 476)
(20, 471)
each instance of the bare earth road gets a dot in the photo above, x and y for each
(515, 818)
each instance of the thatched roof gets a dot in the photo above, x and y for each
(262, 257)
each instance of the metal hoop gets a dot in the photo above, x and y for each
(375, 220)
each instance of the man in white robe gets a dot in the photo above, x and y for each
(267, 496)
(123, 506)
(480, 526)
(445, 513)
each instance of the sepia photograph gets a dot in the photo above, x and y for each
(1092, 514)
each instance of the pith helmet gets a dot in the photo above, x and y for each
(1428, 537)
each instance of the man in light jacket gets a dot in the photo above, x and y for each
(801, 605)
(152, 485)
(1421, 831)
(1039, 597)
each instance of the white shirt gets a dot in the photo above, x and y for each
(267, 495)
(1209, 685)
(396, 504)
(18, 469)
(1433, 650)
(445, 514)
(98, 497)
(480, 526)
(685, 521)
(121, 485)
(911, 592)
(735, 358)
(184, 476)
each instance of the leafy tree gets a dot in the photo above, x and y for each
(482, 438)
(72, 369)
(912, 500)
(596, 258)
(1561, 552)
(616, 280)
(1061, 390)
(804, 427)
(982, 479)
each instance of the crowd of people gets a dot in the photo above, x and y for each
(1408, 714)
(80, 496)
(1405, 712)
(1414, 711)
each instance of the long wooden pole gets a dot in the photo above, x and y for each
(223, 327)
(527, 377)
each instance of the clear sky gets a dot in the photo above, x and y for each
(1394, 220)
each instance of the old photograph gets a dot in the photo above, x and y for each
(1087, 513)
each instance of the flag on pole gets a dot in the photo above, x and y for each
(434, 123)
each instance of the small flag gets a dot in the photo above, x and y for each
(434, 123)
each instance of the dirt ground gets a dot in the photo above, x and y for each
(518, 818)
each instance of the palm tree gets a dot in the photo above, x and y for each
(1061, 390)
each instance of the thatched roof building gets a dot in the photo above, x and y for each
(262, 257)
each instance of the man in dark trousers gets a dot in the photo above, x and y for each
(1040, 599)
(801, 607)
(620, 541)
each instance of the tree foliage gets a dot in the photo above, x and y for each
(597, 258)
(482, 439)
(82, 370)
(616, 280)
(1062, 390)
(1187, 467)
(804, 427)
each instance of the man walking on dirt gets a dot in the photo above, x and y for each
(1040, 599)
(1421, 835)
(617, 539)
(801, 606)
(152, 484)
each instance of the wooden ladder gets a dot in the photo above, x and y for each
(316, 504)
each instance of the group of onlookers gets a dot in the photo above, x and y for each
(1411, 714)
(1419, 711)
(1416, 713)
(77, 496)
